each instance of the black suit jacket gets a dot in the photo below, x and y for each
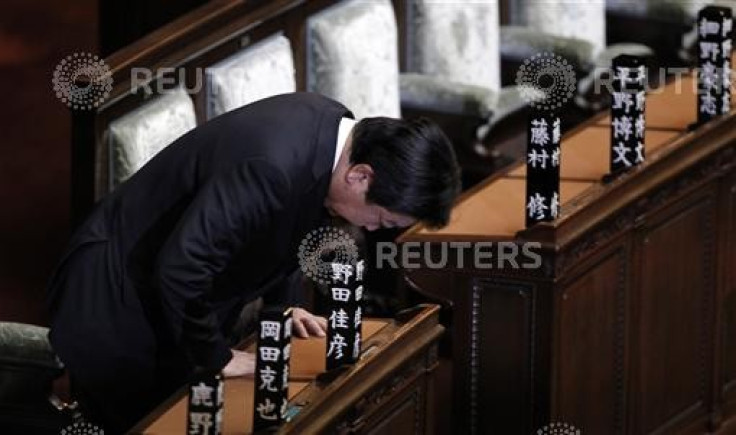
(210, 223)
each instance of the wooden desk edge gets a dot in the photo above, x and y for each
(428, 313)
(409, 339)
(589, 208)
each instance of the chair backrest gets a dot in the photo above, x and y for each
(139, 135)
(454, 40)
(353, 57)
(678, 9)
(687, 7)
(259, 71)
(579, 19)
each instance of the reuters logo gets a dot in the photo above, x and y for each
(322, 247)
(546, 81)
(82, 81)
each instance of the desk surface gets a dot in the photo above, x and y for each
(495, 209)
(388, 345)
(498, 208)
(585, 153)
(307, 361)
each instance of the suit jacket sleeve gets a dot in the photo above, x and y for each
(225, 213)
(290, 292)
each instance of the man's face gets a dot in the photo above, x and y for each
(347, 199)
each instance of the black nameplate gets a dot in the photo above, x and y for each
(345, 314)
(715, 39)
(543, 167)
(271, 380)
(204, 411)
(628, 124)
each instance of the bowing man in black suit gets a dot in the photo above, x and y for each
(165, 263)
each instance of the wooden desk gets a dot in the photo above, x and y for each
(390, 387)
(629, 325)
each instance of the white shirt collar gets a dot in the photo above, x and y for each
(343, 131)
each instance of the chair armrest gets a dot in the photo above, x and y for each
(512, 99)
(518, 43)
(27, 346)
(428, 93)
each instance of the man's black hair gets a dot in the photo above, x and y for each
(414, 165)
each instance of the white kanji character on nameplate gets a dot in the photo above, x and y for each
(555, 158)
(622, 74)
(623, 100)
(726, 76)
(284, 404)
(536, 206)
(358, 317)
(726, 48)
(287, 328)
(340, 294)
(202, 394)
(270, 329)
(641, 74)
(341, 272)
(267, 375)
(336, 345)
(540, 136)
(266, 409)
(270, 353)
(621, 151)
(339, 319)
(640, 100)
(709, 50)
(538, 158)
(285, 378)
(554, 205)
(622, 127)
(727, 26)
(356, 346)
(639, 125)
(639, 152)
(708, 103)
(708, 27)
(359, 270)
(200, 423)
(709, 75)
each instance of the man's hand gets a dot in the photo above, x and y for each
(242, 364)
(306, 324)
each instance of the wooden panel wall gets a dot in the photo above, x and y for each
(726, 361)
(592, 345)
(675, 311)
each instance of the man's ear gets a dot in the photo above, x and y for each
(359, 177)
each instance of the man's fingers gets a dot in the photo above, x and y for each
(314, 326)
(307, 324)
(241, 364)
(301, 331)
(322, 323)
